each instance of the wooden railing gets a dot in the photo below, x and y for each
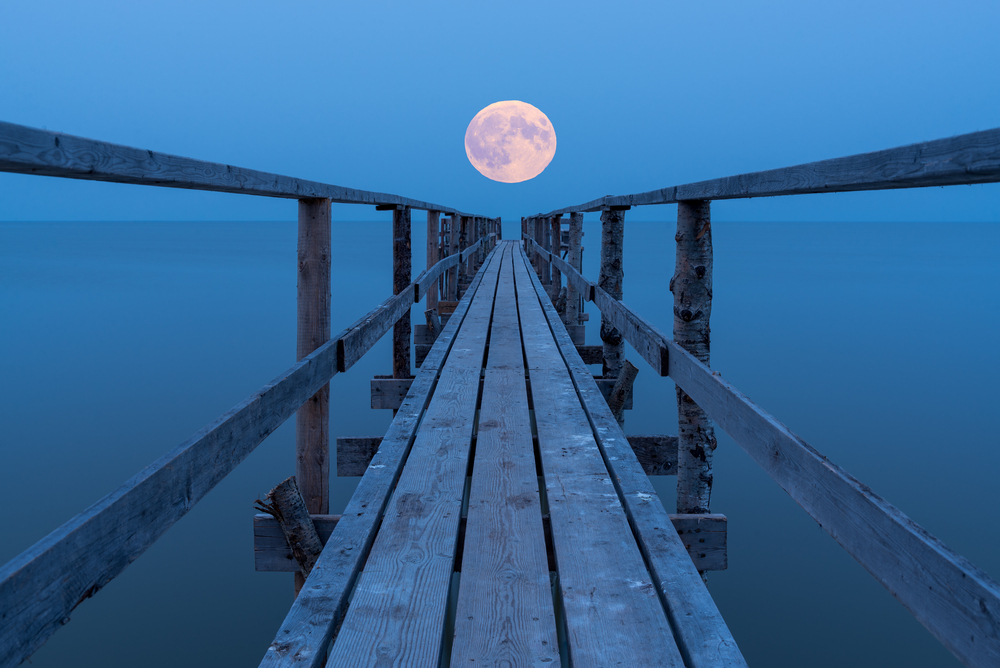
(41, 586)
(955, 600)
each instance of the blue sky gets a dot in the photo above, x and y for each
(377, 95)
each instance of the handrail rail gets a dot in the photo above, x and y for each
(961, 160)
(40, 587)
(955, 600)
(26, 150)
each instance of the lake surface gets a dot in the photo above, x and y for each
(874, 342)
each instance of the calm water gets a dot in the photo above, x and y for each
(874, 342)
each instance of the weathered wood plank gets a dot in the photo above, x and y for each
(312, 422)
(366, 332)
(305, 633)
(427, 279)
(40, 587)
(355, 453)
(590, 354)
(703, 638)
(272, 554)
(398, 607)
(955, 600)
(960, 160)
(647, 340)
(613, 613)
(505, 615)
(25, 150)
(388, 393)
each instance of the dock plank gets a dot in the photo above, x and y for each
(505, 614)
(703, 637)
(398, 609)
(613, 612)
(302, 639)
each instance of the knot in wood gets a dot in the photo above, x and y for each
(699, 271)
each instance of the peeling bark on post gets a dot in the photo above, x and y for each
(692, 288)
(610, 280)
(433, 255)
(574, 257)
(285, 504)
(401, 273)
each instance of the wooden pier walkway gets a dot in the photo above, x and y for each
(503, 373)
(504, 519)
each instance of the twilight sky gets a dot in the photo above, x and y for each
(378, 95)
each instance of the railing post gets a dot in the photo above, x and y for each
(312, 421)
(538, 240)
(401, 276)
(692, 288)
(463, 241)
(546, 245)
(555, 245)
(452, 249)
(610, 280)
(433, 255)
(573, 299)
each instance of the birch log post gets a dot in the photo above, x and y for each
(401, 273)
(312, 421)
(555, 245)
(547, 247)
(453, 224)
(610, 280)
(433, 255)
(692, 288)
(574, 256)
(285, 504)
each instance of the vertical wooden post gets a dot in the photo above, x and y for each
(547, 245)
(692, 288)
(555, 239)
(452, 249)
(574, 257)
(433, 255)
(540, 242)
(610, 280)
(463, 241)
(401, 274)
(312, 421)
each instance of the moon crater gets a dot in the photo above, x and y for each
(510, 141)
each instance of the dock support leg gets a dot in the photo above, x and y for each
(573, 299)
(692, 288)
(555, 243)
(610, 280)
(433, 255)
(312, 421)
(546, 242)
(401, 272)
(452, 249)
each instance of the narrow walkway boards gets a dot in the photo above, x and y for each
(506, 363)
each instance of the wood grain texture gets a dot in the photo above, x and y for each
(398, 607)
(355, 453)
(505, 615)
(312, 422)
(613, 613)
(691, 286)
(388, 393)
(574, 258)
(286, 505)
(591, 354)
(961, 160)
(702, 635)
(272, 554)
(25, 150)
(957, 602)
(366, 331)
(305, 633)
(402, 257)
(426, 281)
(41, 587)
(610, 281)
(647, 340)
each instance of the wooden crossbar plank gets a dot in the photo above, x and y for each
(40, 587)
(398, 608)
(366, 332)
(957, 602)
(26, 150)
(505, 615)
(302, 640)
(703, 637)
(960, 160)
(613, 613)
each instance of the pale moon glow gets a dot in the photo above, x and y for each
(510, 141)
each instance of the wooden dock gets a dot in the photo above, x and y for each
(504, 519)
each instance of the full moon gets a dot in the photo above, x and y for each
(510, 141)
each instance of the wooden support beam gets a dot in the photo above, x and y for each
(692, 288)
(355, 453)
(574, 257)
(591, 354)
(433, 257)
(705, 538)
(401, 274)
(312, 422)
(366, 331)
(610, 280)
(454, 223)
(555, 244)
